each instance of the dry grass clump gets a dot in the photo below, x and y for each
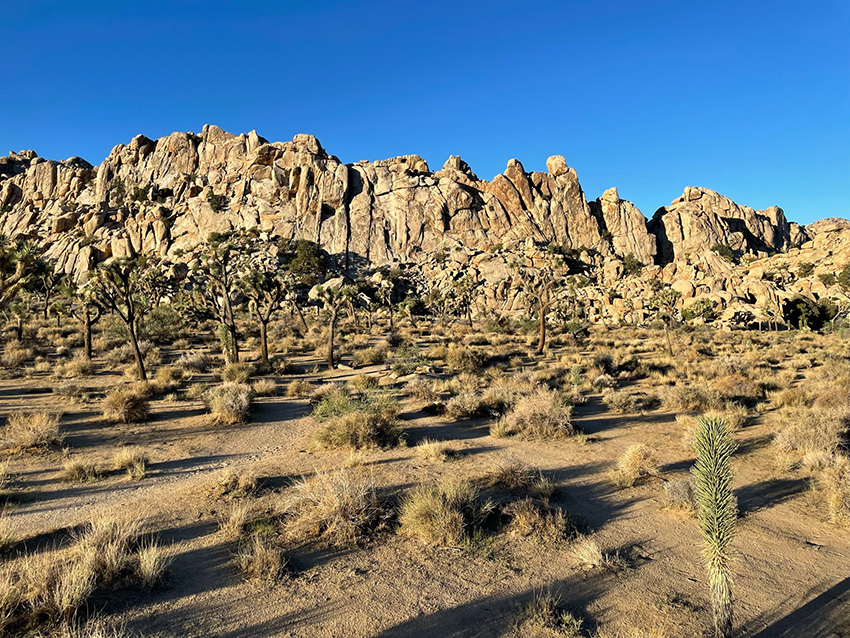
(8, 537)
(77, 367)
(152, 563)
(422, 389)
(38, 592)
(196, 361)
(466, 405)
(264, 387)
(370, 356)
(587, 551)
(531, 518)
(15, 355)
(31, 430)
(619, 401)
(511, 474)
(544, 618)
(237, 372)
(835, 481)
(229, 403)
(804, 430)
(432, 450)
(542, 415)
(339, 507)
(259, 558)
(690, 398)
(362, 383)
(358, 422)
(132, 460)
(80, 472)
(96, 628)
(125, 405)
(297, 388)
(445, 513)
(637, 463)
(230, 482)
(462, 358)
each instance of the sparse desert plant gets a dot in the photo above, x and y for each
(530, 518)
(511, 474)
(195, 392)
(432, 450)
(466, 405)
(370, 356)
(196, 361)
(264, 387)
(422, 389)
(619, 401)
(298, 388)
(339, 507)
(152, 563)
(133, 461)
(541, 415)
(31, 430)
(362, 383)
(8, 536)
(543, 616)
(237, 372)
(125, 405)
(229, 403)
(637, 462)
(77, 367)
(464, 358)
(80, 472)
(235, 519)
(237, 484)
(691, 398)
(804, 429)
(168, 378)
(717, 513)
(259, 558)
(680, 493)
(359, 429)
(441, 514)
(835, 481)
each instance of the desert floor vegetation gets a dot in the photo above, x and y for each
(435, 480)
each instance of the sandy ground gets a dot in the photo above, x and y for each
(791, 567)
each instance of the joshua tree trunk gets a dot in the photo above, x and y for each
(264, 341)
(541, 341)
(19, 329)
(669, 344)
(332, 331)
(137, 353)
(87, 349)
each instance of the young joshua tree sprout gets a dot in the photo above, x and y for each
(717, 513)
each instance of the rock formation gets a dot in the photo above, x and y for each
(166, 196)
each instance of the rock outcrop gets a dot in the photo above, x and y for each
(166, 196)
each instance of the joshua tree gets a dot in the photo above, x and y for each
(45, 280)
(540, 286)
(17, 263)
(717, 513)
(664, 303)
(116, 285)
(83, 306)
(462, 296)
(334, 295)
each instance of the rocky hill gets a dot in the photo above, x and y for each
(165, 196)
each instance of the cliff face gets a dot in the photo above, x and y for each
(166, 196)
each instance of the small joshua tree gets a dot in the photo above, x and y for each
(717, 513)
(664, 303)
(540, 286)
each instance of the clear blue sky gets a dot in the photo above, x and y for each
(750, 98)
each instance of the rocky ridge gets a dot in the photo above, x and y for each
(165, 196)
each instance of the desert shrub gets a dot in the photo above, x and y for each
(152, 562)
(587, 552)
(362, 383)
(619, 401)
(463, 358)
(331, 400)
(407, 360)
(360, 429)
(603, 381)
(511, 474)
(811, 429)
(543, 616)
(542, 415)
(77, 367)
(133, 461)
(370, 356)
(466, 405)
(196, 361)
(259, 558)
(71, 392)
(31, 430)
(691, 398)
(229, 403)
(636, 463)
(530, 518)
(264, 388)
(339, 507)
(835, 481)
(15, 355)
(444, 513)
(297, 388)
(432, 450)
(235, 484)
(237, 372)
(80, 472)
(125, 405)
(680, 493)
(422, 389)
(195, 392)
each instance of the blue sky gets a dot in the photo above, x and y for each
(749, 98)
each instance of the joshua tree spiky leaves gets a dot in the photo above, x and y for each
(717, 513)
